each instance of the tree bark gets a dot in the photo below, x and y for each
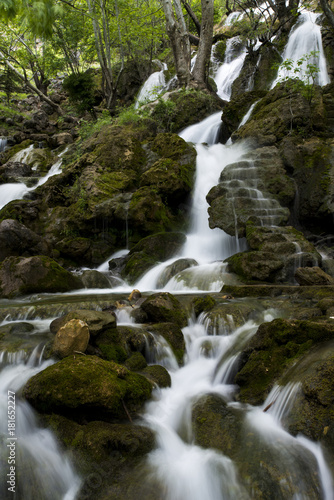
(328, 12)
(179, 40)
(202, 63)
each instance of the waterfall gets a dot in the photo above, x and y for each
(304, 38)
(3, 143)
(16, 191)
(153, 86)
(186, 471)
(40, 467)
(234, 59)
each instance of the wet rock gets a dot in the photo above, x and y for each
(158, 375)
(312, 413)
(38, 274)
(148, 252)
(261, 266)
(86, 387)
(97, 321)
(201, 304)
(94, 279)
(136, 362)
(16, 239)
(164, 307)
(12, 170)
(309, 276)
(71, 338)
(275, 347)
(16, 328)
(174, 336)
(174, 269)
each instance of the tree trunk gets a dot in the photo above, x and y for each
(179, 40)
(328, 12)
(31, 86)
(202, 63)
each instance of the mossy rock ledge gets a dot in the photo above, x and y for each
(86, 388)
(38, 274)
(274, 348)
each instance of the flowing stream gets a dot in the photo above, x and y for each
(186, 471)
(41, 470)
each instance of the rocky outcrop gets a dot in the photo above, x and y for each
(38, 274)
(275, 347)
(16, 239)
(97, 321)
(164, 307)
(147, 253)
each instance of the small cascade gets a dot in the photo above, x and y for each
(305, 37)
(23, 155)
(3, 143)
(230, 69)
(242, 183)
(16, 191)
(186, 471)
(248, 114)
(158, 351)
(299, 456)
(153, 86)
(40, 466)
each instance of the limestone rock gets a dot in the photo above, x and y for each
(97, 321)
(308, 276)
(72, 337)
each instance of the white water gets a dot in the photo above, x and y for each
(186, 471)
(16, 191)
(305, 37)
(153, 86)
(230, 69)
(41, 467)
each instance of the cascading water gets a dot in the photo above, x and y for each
(3, 143)
(185, 471)
(15, 191)
(234, 59)
(41, 470)
(305, 37)
(153, 86)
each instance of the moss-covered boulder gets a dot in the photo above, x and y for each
(174, 336)
(274, 348)
(181, 108)
(148, 252)
(313, 276)
(158, 375)
(164, 307)
(38, 274)
(251, 266)
(312, 413)
(17, 240)
(203, 304)
(86, 387)
(260, 460)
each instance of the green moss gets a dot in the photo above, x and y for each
(113, 353)
(201, 304)
(276, 346)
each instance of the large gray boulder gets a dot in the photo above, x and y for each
(16, 239)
